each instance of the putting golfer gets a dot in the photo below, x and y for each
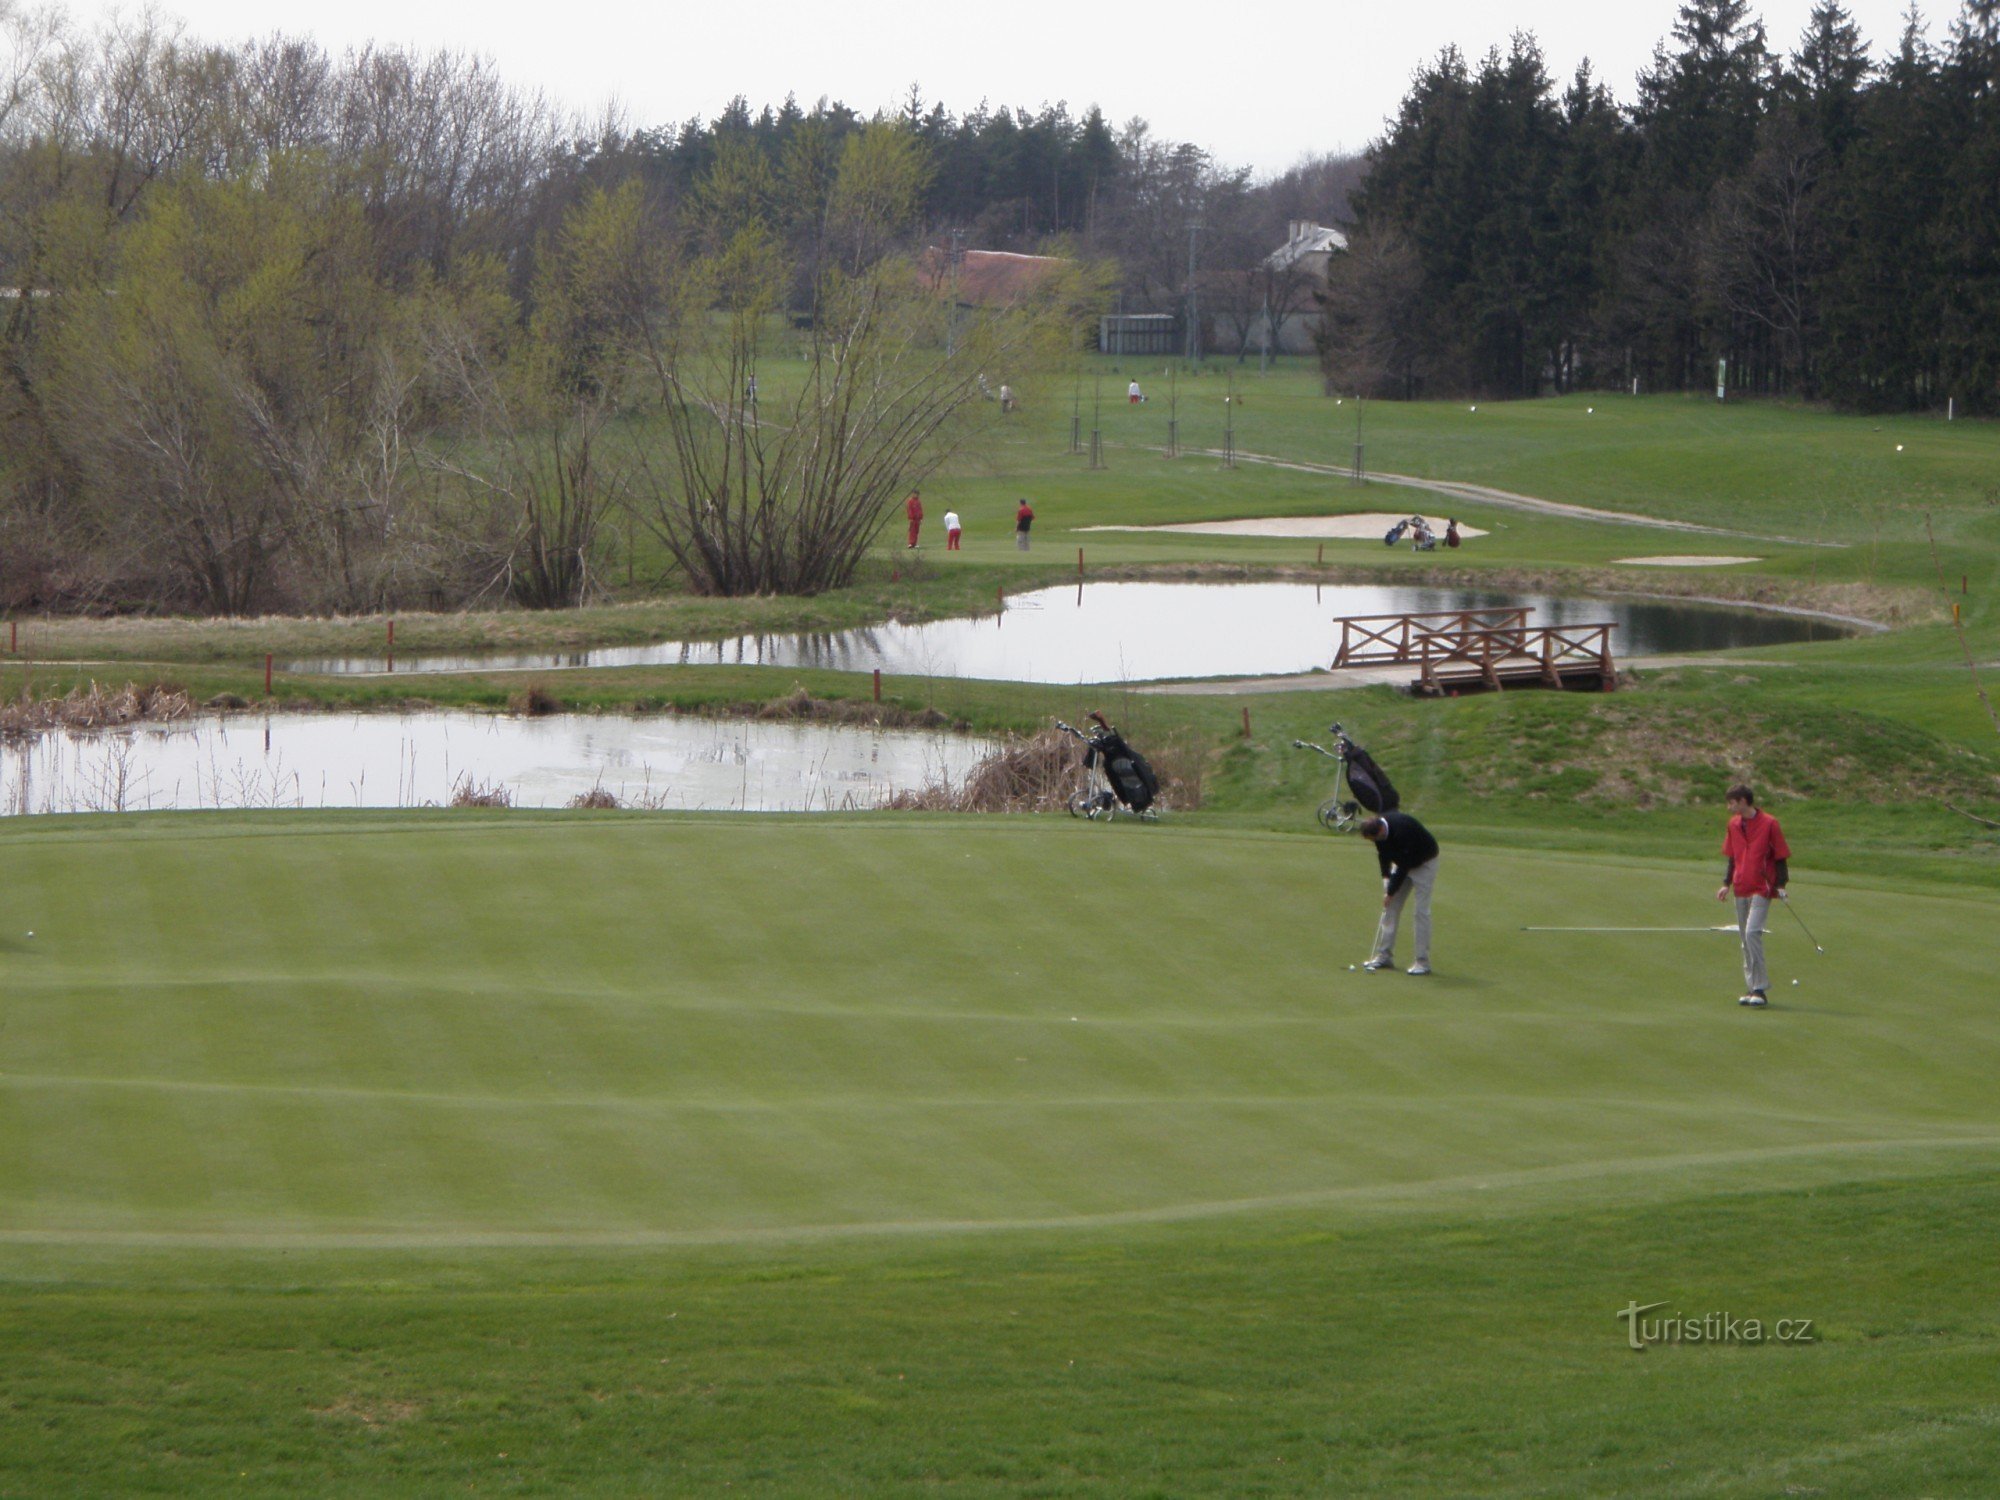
(1755, 849)
(951, 531)
(1409, 858)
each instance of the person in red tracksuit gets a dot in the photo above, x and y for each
(914, 509)
(1757, 871)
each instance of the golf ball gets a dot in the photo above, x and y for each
(1350, 968)
(1794, 981)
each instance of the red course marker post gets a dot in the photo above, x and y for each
(267, 674)
(878, 684)
(1246, 721)
(1321, 559)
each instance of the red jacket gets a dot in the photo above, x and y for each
(914, 507)
(1023, 517)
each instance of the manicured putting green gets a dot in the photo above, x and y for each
(450, 1029)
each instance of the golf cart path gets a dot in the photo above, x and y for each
(1510, 500)
(1331, 679)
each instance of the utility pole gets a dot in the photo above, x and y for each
(1359, 468)
(1193, 301)
(955, 256)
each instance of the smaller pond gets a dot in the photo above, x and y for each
(1141, 632)
(416, 760)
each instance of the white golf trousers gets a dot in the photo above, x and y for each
(1416, 891)
(1751, 912)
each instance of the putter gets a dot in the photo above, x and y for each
(1802, 925)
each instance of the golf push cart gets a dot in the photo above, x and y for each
(1115, 777)
(1368, 786)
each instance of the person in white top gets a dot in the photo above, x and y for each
(951, 531)
(1132, 393)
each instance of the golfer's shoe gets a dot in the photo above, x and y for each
(1419, 968)
(1377, 965)
(1755, 997)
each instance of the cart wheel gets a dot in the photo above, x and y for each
(1330, 815)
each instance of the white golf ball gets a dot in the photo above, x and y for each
(1794, 981)
(1350, 968)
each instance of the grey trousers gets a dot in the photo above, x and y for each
(1021, 540)
(1751, 912)
(1416, 892)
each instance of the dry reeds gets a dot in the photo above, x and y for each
(96, 707)
(596, 799)
(470, 793)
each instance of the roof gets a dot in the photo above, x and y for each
(1306, 239)
(987, 277)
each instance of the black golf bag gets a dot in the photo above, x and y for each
(1367, 782)
(1132, 780)
(1368, 786)
(1114, 775)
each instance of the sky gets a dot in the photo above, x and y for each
(1258, 83)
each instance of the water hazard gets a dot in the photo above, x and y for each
(1140, 632)
(417, 760)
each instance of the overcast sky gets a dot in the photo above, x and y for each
(1258, 82)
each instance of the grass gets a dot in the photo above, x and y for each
(351, 1153)
(609, 1154)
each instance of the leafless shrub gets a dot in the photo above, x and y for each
(534, 701)
(470, 793)
(596, 799)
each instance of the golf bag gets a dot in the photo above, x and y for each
(1114, 774)
(1369, 788)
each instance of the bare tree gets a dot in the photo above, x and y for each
(1765, 243)
(1372, 335)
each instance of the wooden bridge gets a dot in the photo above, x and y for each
(1539, 656)
(1385, 640)
(1480, 648)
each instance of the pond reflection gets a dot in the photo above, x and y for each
(1140, 632)
(415, 760)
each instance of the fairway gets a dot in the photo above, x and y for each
(567, 1153)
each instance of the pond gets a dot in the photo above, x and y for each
(1141, 632)
(415, 760)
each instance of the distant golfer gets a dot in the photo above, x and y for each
(1023, 519)
(951, 530)
(1451, 532)
(1409, 858)
(1133, 395)
(1756, 851)
(914, 509)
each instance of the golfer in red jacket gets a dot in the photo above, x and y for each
(1757, 870)
(914, 509)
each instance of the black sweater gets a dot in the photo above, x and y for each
(1406, 845)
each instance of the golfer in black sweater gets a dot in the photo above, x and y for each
(1409, 859)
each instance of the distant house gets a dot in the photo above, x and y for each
(1303, 260)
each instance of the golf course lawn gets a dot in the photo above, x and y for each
(863, 1155)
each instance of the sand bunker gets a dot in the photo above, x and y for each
(1367, 525)
(1680, 560)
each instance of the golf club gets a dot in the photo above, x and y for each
(1787, 904)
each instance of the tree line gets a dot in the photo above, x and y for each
(285, 329)
(1827, 226)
